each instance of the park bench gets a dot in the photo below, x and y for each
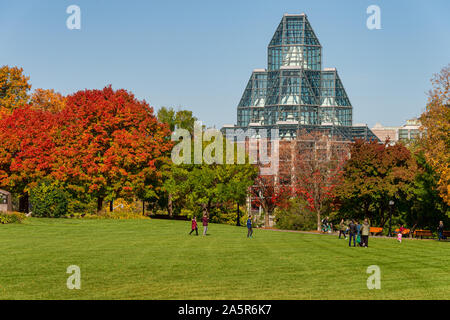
(405, 231)
(423, 233)
(375, 230)
(446, 234)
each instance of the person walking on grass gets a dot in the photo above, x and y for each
(342, 229)
(352, 233)
(205, 224)
(249, 227)
(365, 230)
(194, 226)
(440, 230)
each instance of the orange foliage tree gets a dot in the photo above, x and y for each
(48, 99)
(14, 89)
(436, 122)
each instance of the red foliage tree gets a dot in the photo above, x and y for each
(268, 194)
(312, 165)
(110, 144)
(26, 150)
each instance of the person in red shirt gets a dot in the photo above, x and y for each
(205, 224)
(194, 226)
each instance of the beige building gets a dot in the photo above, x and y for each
(384, 133)
(410, 131)
(407, 132)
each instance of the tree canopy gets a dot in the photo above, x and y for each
(436, 123)
(14, 88)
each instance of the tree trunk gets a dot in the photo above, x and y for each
(381, 215)
(366, 209)
(170, 205)
(319, 222)
(23, 203)
(99, 204)
(266, 218)
(111, 206)
(143, 207)
(238, 222)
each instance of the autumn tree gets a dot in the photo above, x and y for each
(436, 123)
(47, 99)
(26, 150)
(317, 169)
(14, 89)
(267, 193)
(110, 144)
(374, 175)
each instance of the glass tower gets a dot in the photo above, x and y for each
(294, 92)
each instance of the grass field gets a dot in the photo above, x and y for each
(156, 259)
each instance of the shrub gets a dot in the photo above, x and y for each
(77, 206)
(11, 217)
(121, 215)
(229, 215)
(187, 212)
(295, 217)
(49, 200)
(116, 215)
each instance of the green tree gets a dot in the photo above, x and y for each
(296, 216)
(204, 187)
(426, 208)
(48, 199)
(181, 119)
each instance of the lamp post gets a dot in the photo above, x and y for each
(391, 206)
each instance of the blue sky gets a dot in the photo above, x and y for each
(200, 54)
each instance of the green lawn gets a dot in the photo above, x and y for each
(156, 259)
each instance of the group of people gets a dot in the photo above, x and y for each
(361, 232)
(205, 221)
(326, 225)
(356, 231)
(194, 225)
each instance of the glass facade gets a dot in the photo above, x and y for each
(408, 134)
(251, 106)
(294, 92)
